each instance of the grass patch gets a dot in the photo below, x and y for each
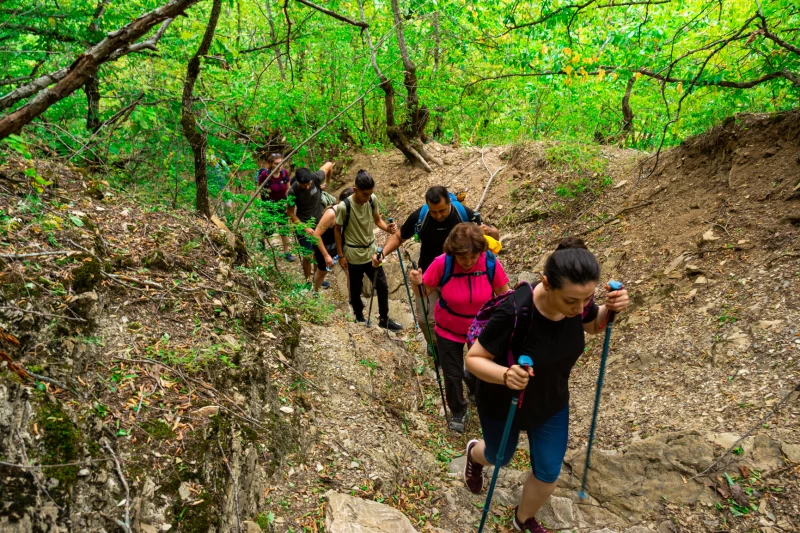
(158, 429)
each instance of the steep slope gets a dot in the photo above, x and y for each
(231, 399)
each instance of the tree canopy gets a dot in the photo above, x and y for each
(103, 83)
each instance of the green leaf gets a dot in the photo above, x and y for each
(77, 221)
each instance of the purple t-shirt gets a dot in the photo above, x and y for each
(278, 185)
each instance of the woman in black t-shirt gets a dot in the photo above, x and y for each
(551, 320)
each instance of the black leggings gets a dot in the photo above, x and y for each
(357, 273)
(451, 359)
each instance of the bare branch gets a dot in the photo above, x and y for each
(20, 93)
(547, 17)
(337, 16)
(86, 64)
(14, 81)
(749, 84)
(621, 4)
(24, 28)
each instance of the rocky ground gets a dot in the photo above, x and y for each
(231, 400)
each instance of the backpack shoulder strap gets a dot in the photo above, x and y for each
(491, 266)
(422, 219)
(461, 210)
(449, 265)
(527, 304)
(347, 215)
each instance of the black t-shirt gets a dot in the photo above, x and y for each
(307, 203)
(432, 235)
(554, 347)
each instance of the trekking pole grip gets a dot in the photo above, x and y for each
(615, 286)
(525, 362)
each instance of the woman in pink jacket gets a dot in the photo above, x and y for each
(467, 276)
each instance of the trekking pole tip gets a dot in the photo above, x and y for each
(582, 495)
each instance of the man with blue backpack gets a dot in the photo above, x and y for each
(431, 224)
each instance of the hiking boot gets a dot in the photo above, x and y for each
(473, 472)
(530, 525)
(326, 284)
(360, 318)
(290, 257)
(457, 422)
(388, 323)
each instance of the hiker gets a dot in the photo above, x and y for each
(431, 224)
(307, 195)
(551, 318)
(467, 275)
(275, 190)
(325, 254)
(356, 217)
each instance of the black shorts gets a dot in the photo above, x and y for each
(320, 260)
(308, 242)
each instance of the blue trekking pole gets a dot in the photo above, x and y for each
(525, 362)
(405, 280)
(615, 286)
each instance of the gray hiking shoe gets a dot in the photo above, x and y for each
(457, 422)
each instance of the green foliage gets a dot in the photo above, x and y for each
(490, 74)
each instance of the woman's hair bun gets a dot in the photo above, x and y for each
(571, 242)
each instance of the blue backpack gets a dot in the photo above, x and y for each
(449, 265)
(423, 214)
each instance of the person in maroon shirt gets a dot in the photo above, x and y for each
(275, 190)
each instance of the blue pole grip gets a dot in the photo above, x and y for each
(615, 286)
(524, 360)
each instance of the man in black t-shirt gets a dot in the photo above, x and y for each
(442, 218)
(306, 192)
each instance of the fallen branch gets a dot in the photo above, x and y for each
(38, 254)
(48, 315)
(782, 256)
(36, 467)
(45, 379)
(146, 283)
(126, 525)
(491, 177)
(752, 429)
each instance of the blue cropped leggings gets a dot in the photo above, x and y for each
(548, 442)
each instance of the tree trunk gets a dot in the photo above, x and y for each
(627, 112)
(273, 36)
(195, 135)
(92, 90)
(406, 137)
